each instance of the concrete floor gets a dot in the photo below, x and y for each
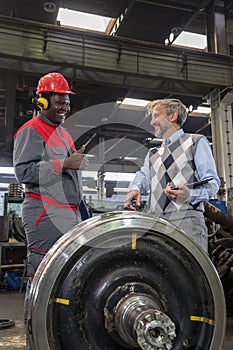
(11, 307)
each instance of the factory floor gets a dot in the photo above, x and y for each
(11, 307)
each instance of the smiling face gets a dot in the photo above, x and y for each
(164, 124)
(59, 108)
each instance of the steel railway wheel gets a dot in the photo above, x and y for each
(124, 280)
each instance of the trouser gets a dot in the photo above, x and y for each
(42, 231)
(44, 225)
(29, 282)
(194, 226)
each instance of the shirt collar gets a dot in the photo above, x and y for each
(48, 121)
(173, 137)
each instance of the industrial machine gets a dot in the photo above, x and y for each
(125, 280)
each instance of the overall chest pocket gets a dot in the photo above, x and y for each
(57, 152)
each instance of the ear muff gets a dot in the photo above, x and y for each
(43, 102)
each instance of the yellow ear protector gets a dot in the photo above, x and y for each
(43, 102)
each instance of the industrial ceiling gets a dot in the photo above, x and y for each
(138, 32)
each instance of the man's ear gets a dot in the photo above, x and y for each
(174, 117)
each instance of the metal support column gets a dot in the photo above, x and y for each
(10, 109)
(100, 179)
(222, 132)
(216, 28)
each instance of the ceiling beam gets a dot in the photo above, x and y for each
(32, 47)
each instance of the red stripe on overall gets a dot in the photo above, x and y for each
(50, 201)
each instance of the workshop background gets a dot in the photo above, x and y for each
(138, 54)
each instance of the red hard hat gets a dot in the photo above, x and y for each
(53, 82)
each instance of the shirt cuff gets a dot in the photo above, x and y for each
(134, 187)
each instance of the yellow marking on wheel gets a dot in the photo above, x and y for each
(134, 241)
(202, 319)
(62, 301)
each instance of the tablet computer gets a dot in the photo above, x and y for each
(194, 184)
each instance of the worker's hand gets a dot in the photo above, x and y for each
(129, 197)
(178, 196)
(76, 161)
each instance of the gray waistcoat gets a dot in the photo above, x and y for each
(172, 163)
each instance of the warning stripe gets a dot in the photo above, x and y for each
(60, 301)
(134, 241)
(202, 319)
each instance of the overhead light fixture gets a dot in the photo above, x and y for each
(89, 173)
(6, 170)
(189, 39)
(131, 158)
(115, 176)
(3, 184)
(202, 110)
(82, 20)
(135, 102)
(124, 190)
(155, 140)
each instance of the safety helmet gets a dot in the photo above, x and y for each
(53, 82)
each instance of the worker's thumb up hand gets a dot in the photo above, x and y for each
(76, 161)
(81, 149)
(84, 162)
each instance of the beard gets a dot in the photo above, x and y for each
(160, 130)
